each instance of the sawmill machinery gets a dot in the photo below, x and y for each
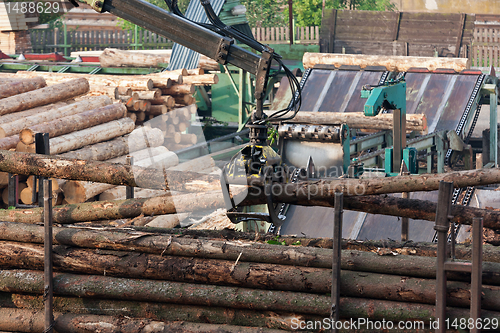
(451, 102)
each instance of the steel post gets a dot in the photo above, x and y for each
(337, 242)
(442, 226)
(48, 260)
(477, 271)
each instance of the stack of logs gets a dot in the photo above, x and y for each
(221, 281)
(90, 126)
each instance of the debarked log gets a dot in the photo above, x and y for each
(19, 87)
(32, 321)
(102, 172)
(43, 96)
(119, 209)
(383, 121)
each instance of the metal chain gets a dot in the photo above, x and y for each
(465, 115)
(293, 179)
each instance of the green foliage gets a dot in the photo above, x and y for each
(308, 12)
(265, 13)
(297, 243)
(276, 241)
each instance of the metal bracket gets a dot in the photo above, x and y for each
(223, 50)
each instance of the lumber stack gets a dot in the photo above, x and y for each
(102, 275)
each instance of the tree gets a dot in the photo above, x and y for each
(308, 12)
(265, 13)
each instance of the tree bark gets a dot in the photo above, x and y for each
(140, 138)
(91, 135)
(353, 284)
(105, 287)
(43, 96)
(99, 80)
(32, 321)
(200, 80)
(391, 63)
(102, 172)
(170, 268)
(414, 122)
(19, 87)
(311, 193)
(398, 261)
(73, 123)
(27, 113)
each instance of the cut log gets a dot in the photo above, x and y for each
(27, 113)
(120, 58)
(184, 99)
(15, 88)
(75, 122)
(195, 71)
(140, 138)
(44, 96)
(120, 209)
(186, 138)
(141, 116)
(181, 71)
(166, 100)
(5, 192)
(137, 83)
(131, 317)
(119, 193)
(81, 191)
(391, 63)
(91, 135)
(200, 80)
(124, 91)
(111, 92)
(150, 94)
(173, 76)
(179, 89)
(15, 127)
(156, 110)
(167, 221)
(132, 116)
(414, 122)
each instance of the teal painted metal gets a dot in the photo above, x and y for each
(493, 127)
(410, 159)
(392, 93)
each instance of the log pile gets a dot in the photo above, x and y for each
(167, 277)
(89, 128)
